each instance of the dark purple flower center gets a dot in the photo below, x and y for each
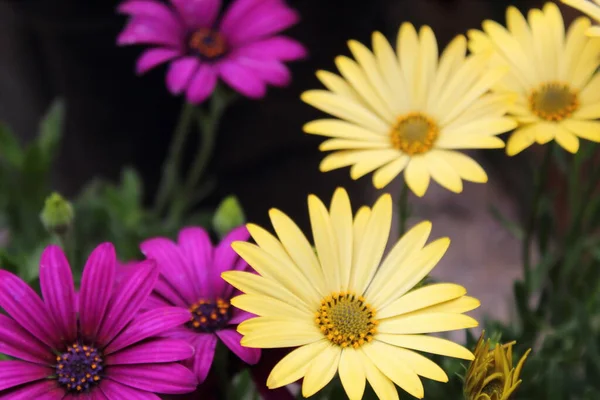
(207, 43)
(209, 316)
(79, 368)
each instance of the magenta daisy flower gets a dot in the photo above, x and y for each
(191, 278)
(243, 48)
(106, 350)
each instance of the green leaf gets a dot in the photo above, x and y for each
(228, 216)
(509, 225)
(10, 149)
(50, 131)
(242, 386)
(131, 187)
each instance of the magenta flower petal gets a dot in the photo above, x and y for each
(242, 79)
(95, 395)
(168, 378)
(271, 71)
(165, 290)
(151, 10)
(26, 308)
(43, 390)
(180, 72)
(197, 247)
(17, 342)
(240, 316)
(96, 288)
(198, 13)
(174, 268)
(127, 302)
(265, 20)
(150, 323)
(154, 57)
(115, 391)
(202, 84)
(225, 258)
(56, 281)
(153, 351)
(149, 31)
(232, 339)
(156, 301)
(15, 373)
(205, 345)
(238, 10)
(276, 47)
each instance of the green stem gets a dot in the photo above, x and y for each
(403, 208)
(539, 180)
(169, 179)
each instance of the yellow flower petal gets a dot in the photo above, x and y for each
(459, 141)
(544, 55)
(427, 65)
(382, 386)
(452, 57)
(341, 220)
(443, 173)
(387, 173)
(591, 111)
(545, 132)
(344, 144)
(488, 106)
(255, 284)
(269, 307)
(325, 242)
(352, 374)
(480, 127)
(574, 45)
(276, 333)
(321, 370)
(517, 25)
(422, 366)
(417, 175)
(338, 85)
(520, 140)
(422, 298)
(587, 64)
(391, 72)
(343, 130)
(461, 305)
(294, 365)
(370, 164)
(394, 368)
(591, 93)
(426, 323)
(589, 130)
(407, 46)
(467, 168)
(345, 158)
(594, 31)
(585, 7)
(429, 344)
(567, 140)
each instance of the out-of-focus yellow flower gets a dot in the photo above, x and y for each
(491, 375)
(591, 8)
(410, 110)
(553, 74)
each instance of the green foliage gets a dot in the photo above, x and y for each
(229, 215)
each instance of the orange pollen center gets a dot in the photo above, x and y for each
(346, 319)
(553, 101)
(208, 43)
(414, 133)
(209, 315)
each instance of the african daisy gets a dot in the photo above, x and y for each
(591, 8)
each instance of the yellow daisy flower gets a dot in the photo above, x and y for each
(591, 8)
(410, 111)
(346, 310)
(553, 74)
(491, 375)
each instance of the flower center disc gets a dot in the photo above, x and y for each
(414, 133)
(79, 368)
(553, 101)
(494, 387)
(209, 316)
(208, 43)
(346, 319)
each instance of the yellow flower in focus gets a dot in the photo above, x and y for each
(491, 375)
(553, 74)
(409, 111)
(591, 8)
(346, 310)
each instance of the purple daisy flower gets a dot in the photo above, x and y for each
(243, 48)
(104, 351)
(191, 278)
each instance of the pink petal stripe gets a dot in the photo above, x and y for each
(14, 373)
(165, 290)
(198, 13)
(155, 301)
(232, 340)
(152, 10)
(115, 391)
(154, 57)
(27, 309)
(142, 30)
(44, 390)
(238, 10)
(17, 342)
(133, 294)
(96, 288)
(168, 378)
(180, 72)
(198, 249)
(153, 351)
(202, 84)
(225, 259)
(148, 324)
(205, 346)
(268, 19)
(276, 47)
(174, 268)
(56, 281)
(242, 79)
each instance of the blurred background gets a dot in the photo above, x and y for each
(115, 119)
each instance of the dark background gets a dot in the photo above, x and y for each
(67, 48)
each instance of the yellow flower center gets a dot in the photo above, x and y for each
(414, 133)
(346, 319)
(553, 101)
